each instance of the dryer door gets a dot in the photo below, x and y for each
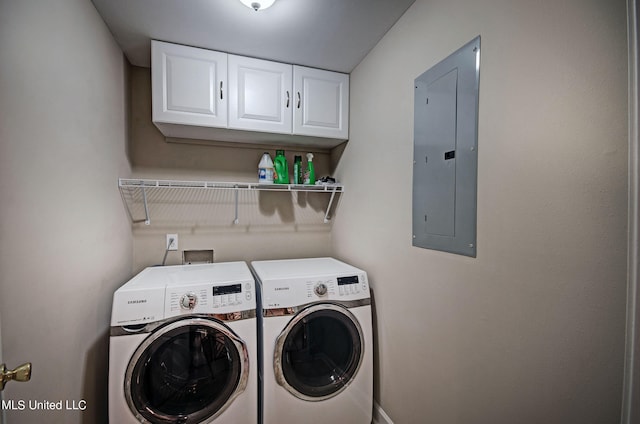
(186, 371)
(319, 352)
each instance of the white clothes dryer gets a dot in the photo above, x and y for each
(317, 343)
(183, 346)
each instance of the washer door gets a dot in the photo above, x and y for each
(186, 371)
(319, 352)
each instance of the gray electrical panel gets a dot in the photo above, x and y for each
(445, 153)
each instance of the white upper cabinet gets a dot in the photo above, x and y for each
(321, 103)
(188, 85)
(209, 95)
(260, 95)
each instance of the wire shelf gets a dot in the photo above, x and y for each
(140, 195)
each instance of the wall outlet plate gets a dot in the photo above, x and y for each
(172, 242)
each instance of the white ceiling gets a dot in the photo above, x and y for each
(327, 34)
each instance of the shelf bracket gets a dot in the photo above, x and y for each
(147, 220)
(236, 220)
(326, 215)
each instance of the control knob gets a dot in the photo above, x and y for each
(188, 301)
(320, 289)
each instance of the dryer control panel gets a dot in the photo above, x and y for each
(296, 292)
(350, 287)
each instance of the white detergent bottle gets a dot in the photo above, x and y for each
(265, 169)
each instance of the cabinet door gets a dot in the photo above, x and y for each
(188, 85)
(321, 103)
(260, 97)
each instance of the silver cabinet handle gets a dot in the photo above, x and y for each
(221, 95)
(298, 100)
(287, 99)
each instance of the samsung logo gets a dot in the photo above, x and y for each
(137, 301)
(281, 288)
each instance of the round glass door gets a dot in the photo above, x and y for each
(319, 352)
(186, 372)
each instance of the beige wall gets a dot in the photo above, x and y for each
(271, 225)
(65, 238)
(532, 330)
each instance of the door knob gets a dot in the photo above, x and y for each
(22, 373)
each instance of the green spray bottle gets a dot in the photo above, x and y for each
(310, 175)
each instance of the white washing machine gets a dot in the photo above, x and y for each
(183, 346)
(317, 345)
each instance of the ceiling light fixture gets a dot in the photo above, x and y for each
(258, 4)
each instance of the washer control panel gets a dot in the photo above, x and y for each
(209, 299)
(232, 295)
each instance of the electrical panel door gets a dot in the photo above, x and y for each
(445, 153)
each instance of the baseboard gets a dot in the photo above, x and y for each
(379, 416)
